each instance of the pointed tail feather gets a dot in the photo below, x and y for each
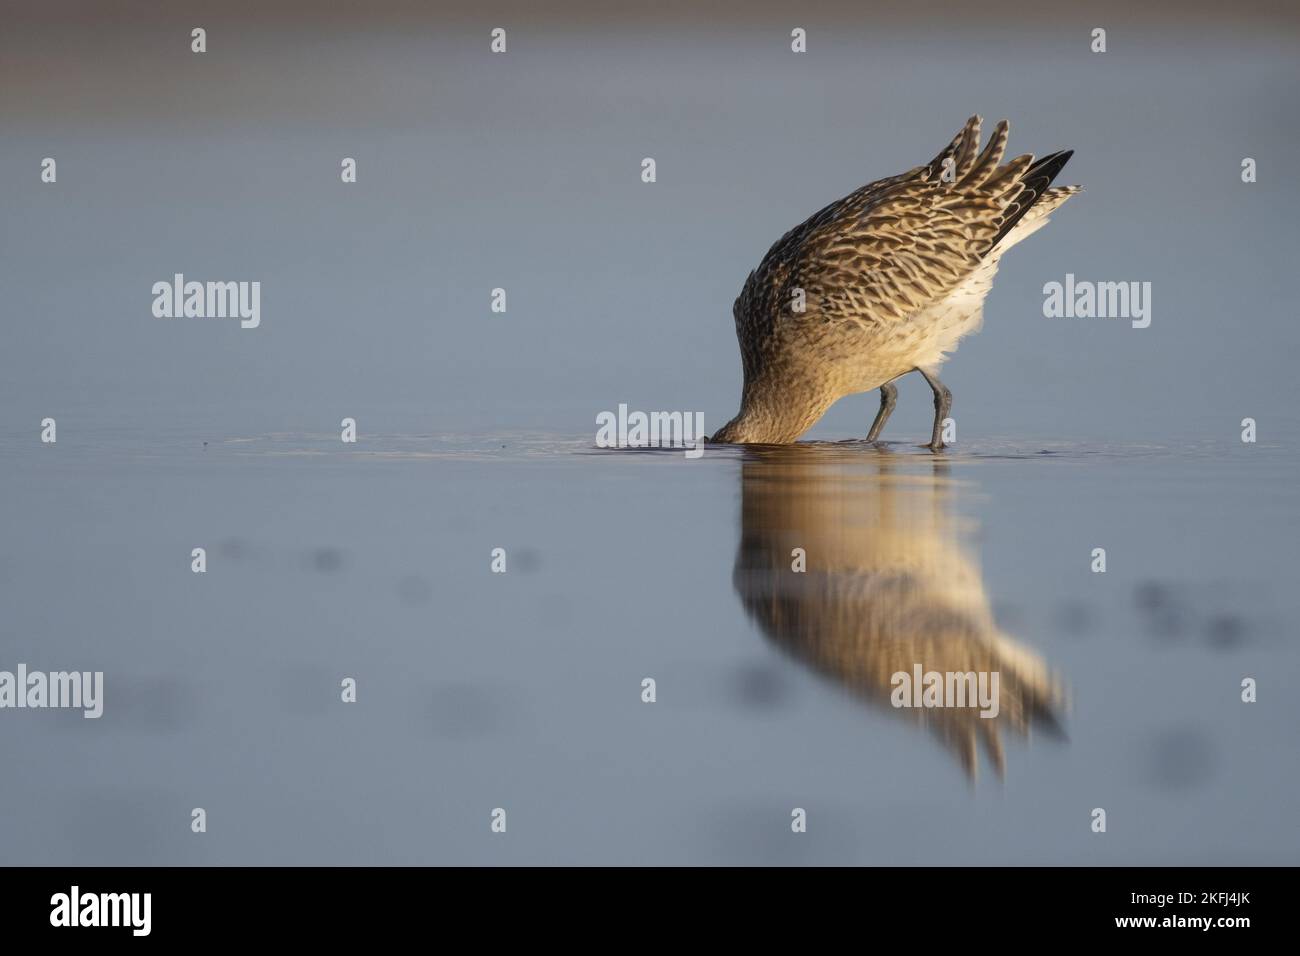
(1035, 180)
(965, 142)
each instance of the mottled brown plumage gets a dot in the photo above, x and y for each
(882, 282)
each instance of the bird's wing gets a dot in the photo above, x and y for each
(886, 251)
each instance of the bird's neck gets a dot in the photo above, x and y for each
(775, 416)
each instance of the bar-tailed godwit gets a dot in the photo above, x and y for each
(881, 283)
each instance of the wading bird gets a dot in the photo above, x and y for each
(881, 283)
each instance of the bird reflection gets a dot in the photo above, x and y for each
(888, 585)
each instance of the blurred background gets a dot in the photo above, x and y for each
(522, 171)
(522, 691)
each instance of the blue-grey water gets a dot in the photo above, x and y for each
(523, 690)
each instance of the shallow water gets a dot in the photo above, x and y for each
(523, 690)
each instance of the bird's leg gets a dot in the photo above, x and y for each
(888, 399)
(942, 405)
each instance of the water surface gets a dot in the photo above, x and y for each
(479, 690)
